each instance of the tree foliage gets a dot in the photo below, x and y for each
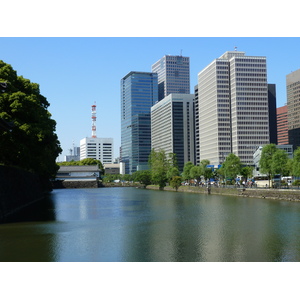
(159, 166)
(186, 175)
(175, 182)
(205, 171)
(196, 173)
(265, 162)
(31, 144)
(279, 163)
(231, 166)
(144, 177)
(247, 172)
(295, 168)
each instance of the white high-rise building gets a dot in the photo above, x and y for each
(233, 107)
(172, 127)
(97, 148)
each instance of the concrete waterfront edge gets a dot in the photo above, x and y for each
(287, 195)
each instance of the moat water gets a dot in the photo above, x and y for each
(137, 225)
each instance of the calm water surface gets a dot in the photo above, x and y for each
(129, 224)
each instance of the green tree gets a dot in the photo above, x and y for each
(205, 171)
(159, 165)
(247, 172)
(186, 175)
(127, 177)
(172, 172)
(144, 177)
(231, 166)
(91, 161)
(295, 166)
(279, 163)
(196, 173)
(265, 162)
(31, 144)
(175, 182)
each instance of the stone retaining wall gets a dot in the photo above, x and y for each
(287, 195)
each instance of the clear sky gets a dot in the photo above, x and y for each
(74, 72)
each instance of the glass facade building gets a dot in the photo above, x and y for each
(139, 91)
(173, 75)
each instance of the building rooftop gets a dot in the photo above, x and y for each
(90, 168)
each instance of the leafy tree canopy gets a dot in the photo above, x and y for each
(295, 165)
(279, 162)
(31, 144)
(144, 177)
(265, 162)
(186, 175)
(231, 166)
(175, 182)
(205, 171)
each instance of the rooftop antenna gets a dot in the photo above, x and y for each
(181, 52)
(94, 135)
(235, 48)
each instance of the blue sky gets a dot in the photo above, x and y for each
(75, 72)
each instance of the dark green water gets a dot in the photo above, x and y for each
(128, 224)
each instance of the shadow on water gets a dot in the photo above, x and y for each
(39, 211)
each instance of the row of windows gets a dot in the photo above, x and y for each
(251, 78)
(253, 108)
(250, 71)
(240, 113)
(253, 137)
(252, 103)
(263, 65)
(251, 60)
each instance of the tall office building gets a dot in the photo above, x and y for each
(173, 75)
(233, 107)
(282, 126)
(272, 113)
(196, 126)
(172, 127)
(139, 91)
(97, 148)
(293, 107)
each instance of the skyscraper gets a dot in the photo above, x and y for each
(282, 126)
(293, 107)
(233, 107)
(173, 75)
(139, 91)
(172, 127)
(272, 113)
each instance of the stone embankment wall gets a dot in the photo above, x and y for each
(18, 189)
(287, 195)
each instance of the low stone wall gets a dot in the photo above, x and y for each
(287, 195)
(18, 188)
